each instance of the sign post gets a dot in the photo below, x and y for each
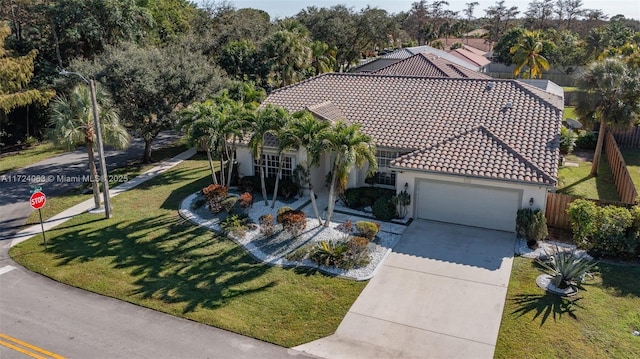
(37, 201)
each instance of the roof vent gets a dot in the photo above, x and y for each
(508, 105)
(491, 85)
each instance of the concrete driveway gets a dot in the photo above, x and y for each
(440, 294)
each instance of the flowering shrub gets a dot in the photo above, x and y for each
(293, 222)
(267, 227)
(367, 229)
(214, 195)
(246, 200)
(228, 203)
(346, 227)
(281, 211)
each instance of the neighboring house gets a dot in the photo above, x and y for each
(473, 57)
(469, 151)
(475, 44)
(429, 65)
(406, 52)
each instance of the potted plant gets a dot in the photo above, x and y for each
(402, 201)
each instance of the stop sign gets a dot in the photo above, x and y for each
(37, 200)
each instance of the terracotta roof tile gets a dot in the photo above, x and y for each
(417, 113)
(471, 57)
(326, 110)
(429, 65)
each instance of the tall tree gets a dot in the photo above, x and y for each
(539, 13)
(528, 53)
(289, 54)
(569, 10)
(71, 121)
(305, 131)
(499, 19)
(15, 74)
(609, 93)
(323, 57)
(349, 147)
(269, 120)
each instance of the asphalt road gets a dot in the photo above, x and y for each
(77, 324)
(39, 316)
(16, 186)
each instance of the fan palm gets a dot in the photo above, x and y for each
(527, 52)
(609, 93)
(350, 147)
(305, 131)
(236, 119)
(71, 124)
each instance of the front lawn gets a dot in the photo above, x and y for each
(577, 182)
(597, 323)
(148, 255)
(569, 112)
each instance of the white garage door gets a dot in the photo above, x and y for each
(478, 206)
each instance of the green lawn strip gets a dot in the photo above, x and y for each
(569, 112)
(597, 323)
(632, 159)
(577, 182)
(569, 88)
(31, 155)
(57, 204)
(148, 255)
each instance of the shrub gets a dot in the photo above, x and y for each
(586, 140)
(384, 209)
(358, 244)
(287, 189)
(246, 200)
(531, 224)
(267, 227)
(402, 201)
(338, 254)
(294, 222)
(352, 198)
(281, 211)
(567, 269)
(214, 194)
(249, 184)
(610, 230)
(367, 229)
(567, 140)
(235, 223)
(228, 203)
(345, 227)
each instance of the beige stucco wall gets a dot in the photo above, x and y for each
(538, 193)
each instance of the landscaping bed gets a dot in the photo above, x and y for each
(150, 256)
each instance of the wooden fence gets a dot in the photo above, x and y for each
(629, 138)
(557, 205)
(622, 178)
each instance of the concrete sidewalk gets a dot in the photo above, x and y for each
(440, 294)
(89, 204)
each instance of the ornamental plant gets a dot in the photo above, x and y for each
(567, 269)
(294, 222)
(246, 200)
(402, 201)
(214, 195)
(367, 229)
(267, 227)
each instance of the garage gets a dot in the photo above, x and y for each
(470, 205)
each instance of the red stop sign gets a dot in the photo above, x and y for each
(37, 200)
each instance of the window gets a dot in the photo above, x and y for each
(384, 175)
(271, 166)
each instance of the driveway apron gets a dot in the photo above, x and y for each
(439, 294)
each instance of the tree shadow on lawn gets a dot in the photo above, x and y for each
(545, 305)
(620, 280)
(169, 261)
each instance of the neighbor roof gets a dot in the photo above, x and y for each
(406, 52)
(466, 119)
(474, 42)
(471, 57)
(429, 65)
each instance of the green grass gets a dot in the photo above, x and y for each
(597, 323)
(576, 180)
(569, 88)
(570, 112)
(150, 256)
(632, 159)
(57, 204)
(24, 158)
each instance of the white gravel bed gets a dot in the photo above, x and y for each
(273, 250)
(546, 248)
(366, 212)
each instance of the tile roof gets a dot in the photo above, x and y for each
(326, 110)
(471, 57)
(478, 153)
(419, 113)
(429, 65)
(476, 43)
(407, 52)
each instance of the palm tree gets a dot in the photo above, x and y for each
(236, 119)
(289, 53)
(267, 123)
(201, 122)
(71, 122)
(527, 52)
(609, 93)
(283, 146)
(307, 132)
(323, 57)
(350, 147)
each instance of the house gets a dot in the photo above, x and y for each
(406, 52)
(429, 65)
(469, 151)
